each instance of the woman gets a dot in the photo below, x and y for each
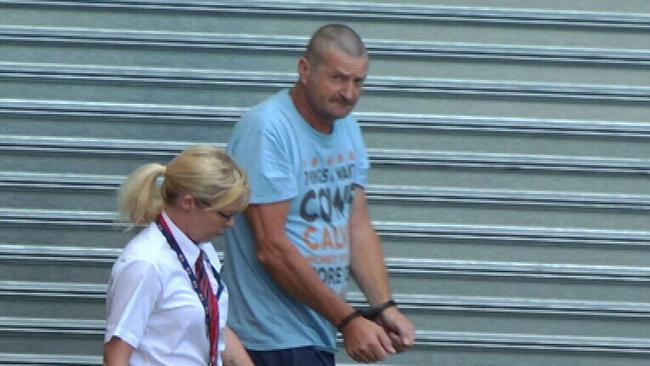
(166, 303)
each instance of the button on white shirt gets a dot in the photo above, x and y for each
(151, 303)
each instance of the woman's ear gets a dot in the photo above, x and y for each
(187, 202)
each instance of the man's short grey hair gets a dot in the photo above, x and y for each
(337, 37)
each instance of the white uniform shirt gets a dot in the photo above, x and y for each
(151, 303)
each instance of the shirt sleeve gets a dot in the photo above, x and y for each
(264, 152)
(133, 291)
(363, 164)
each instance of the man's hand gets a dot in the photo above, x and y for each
(399, 329)
(365, 341)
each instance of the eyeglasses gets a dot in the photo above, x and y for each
(227, 217)
(221, 213)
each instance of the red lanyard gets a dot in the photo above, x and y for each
(164, 229)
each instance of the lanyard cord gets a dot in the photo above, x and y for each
(164, 229)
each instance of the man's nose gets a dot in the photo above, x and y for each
(348, 92)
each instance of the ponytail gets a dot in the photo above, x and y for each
(139, 198)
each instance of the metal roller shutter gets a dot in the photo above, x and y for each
(509, 142)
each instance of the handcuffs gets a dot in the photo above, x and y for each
(370, 313)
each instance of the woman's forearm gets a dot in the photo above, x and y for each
(117, 352)
(235, 354)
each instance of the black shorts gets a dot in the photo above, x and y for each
(301, 356)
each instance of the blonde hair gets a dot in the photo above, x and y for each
(204, 172)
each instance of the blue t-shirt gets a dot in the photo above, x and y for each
(286, 159)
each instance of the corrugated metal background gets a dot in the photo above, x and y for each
(509, 139)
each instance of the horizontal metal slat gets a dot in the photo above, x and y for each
(375, 192)
(400, 12)
(624, 319)
(120, 37)
(500, 125)
(60, 217)
(49, 289)
(186, 77)
(52, 181)
(167, 149)
(91, 145)
(614, 238)
(59, 253)
(432, 267)
(423, 338)
(508, 197)
(424, 302)
(116, 37)
(56, 108)
(428, 267)
(48, 359)
(533, 342)
(508, 161)
(517, 234)
(49, 325)
(420, 302)
(174, 113)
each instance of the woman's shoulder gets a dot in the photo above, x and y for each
(143, 257)
(146, 246)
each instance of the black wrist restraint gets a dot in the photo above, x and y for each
(370, 313)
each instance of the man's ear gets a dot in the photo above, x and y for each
(303, 70)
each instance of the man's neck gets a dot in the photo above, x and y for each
(306, 112)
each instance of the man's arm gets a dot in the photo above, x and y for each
(364, 340)
(369, 270)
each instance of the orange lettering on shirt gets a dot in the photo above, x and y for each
(327, 239)
(305, 238)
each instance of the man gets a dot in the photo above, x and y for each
(308, 227)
